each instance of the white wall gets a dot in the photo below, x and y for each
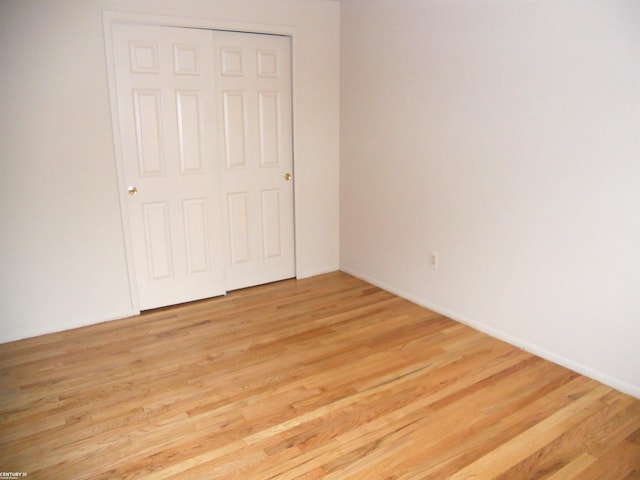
(62, 260)
(506, 137)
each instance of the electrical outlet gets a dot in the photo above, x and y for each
(434, 259)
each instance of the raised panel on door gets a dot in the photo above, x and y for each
(234, 126)
(148, 127)
(268, 125)
(189, 128)
(157, 238)
(196, 231)
(253, 74)
(238, 227)
(271, 224)
(167, 118)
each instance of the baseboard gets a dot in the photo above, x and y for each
(46, 331)
(537, 350)
(314, 273)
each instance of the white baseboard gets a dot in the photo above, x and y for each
(39, 332)
(313, 273)
(499, 334)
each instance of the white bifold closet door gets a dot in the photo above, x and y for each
(206, 143)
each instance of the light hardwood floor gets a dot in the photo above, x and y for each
(327, 377)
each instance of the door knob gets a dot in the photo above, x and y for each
(132, 190)
(287, 176)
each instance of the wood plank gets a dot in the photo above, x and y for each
(327, 377)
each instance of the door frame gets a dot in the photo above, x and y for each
(111, 18)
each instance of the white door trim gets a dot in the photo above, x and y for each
(110, 18)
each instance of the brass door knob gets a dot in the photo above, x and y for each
(287, 176)
(132, 190)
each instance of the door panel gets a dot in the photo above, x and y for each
(196, 233)
(189, 132)
(254, 85)
(234, 121)
(205, 125)
(157, 229)
(268, 124)
(271, 224)
(238, 213)
(164, 79)
(146, 105)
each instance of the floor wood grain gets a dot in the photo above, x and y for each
(327, 377)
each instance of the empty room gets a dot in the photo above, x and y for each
(282, 239)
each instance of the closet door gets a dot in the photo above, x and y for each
(167, 118)
(206, 140)
(254, 91)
